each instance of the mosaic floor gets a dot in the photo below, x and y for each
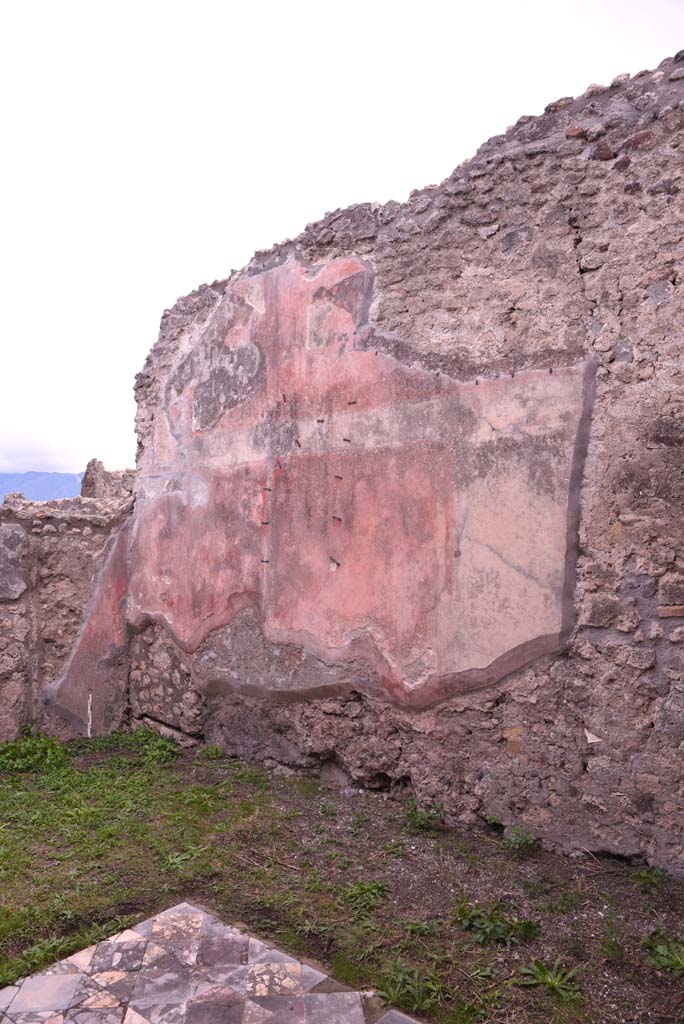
(185, 967)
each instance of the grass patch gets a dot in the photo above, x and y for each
(31, 754)
(363, 898)
(96, 834)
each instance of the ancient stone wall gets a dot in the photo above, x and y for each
(100, 483)
(51, 553)
(409, 492)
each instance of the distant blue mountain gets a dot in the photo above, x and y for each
(41, 486)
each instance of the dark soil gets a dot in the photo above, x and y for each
(374, 888)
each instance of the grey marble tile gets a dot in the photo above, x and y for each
(85, 1015)
(311, 977)
(395, 1017)
(40, 993)
(117, 956)
(7, 995)
(217, 1005)
(261, 953)
(161, 996)
(275, 1010)
(183, 967)
(219, 944)
(333, 1008)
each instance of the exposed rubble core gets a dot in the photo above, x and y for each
(99, 483)
(552, 256)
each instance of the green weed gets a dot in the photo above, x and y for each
(363, 898)
(424, 929)
(613, 942)
(519, 842)
(201, 799)
(426, 818)
(350, 972)
(47, 950)
(359, 821)
(395, 848)
(665, 952)
(411, 989)
(209, 753)
(557, 980)
(649, 878)
(481, 972)
(491, 924)
(154, 749)
(251, 775)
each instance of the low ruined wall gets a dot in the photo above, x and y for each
(409, 493)
(51, 553)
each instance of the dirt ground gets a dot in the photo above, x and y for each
(453, 926)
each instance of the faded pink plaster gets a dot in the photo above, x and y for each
(362, 506)
(365, 508)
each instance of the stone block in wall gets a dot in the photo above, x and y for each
(16, 649)
(13, 561)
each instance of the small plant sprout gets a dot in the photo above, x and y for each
(650, 878)
(613, 943)
(558, 981)
(665, 952)
(491, 924)
(411, 989)
(425, 818)
(424, 929)
(519, 842)
(209, 753)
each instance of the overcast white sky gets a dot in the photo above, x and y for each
(149, 147)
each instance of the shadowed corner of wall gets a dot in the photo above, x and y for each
(90, 694)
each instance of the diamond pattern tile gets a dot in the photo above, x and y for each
(184, 966)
